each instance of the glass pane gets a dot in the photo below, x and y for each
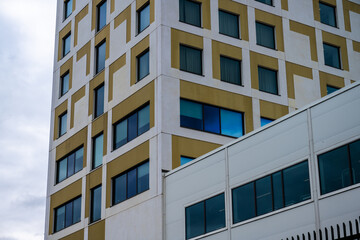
(143, 178)
(70, 164)
(77, 210)
(69, 214)
(327, 14)
(144, 18)
(100, 57)
(99, 101)
(265, 35)
(330, 89)
(79, 159)
(195, 220)
(64, 84)
(96, 204)
(265, 121)
(190, 60)
(331, 56)
(231, 123)
(263, 195)
(68, 8)
(131, 183)
(296, 184)
(268, 2)
(215, 213)
(101, 15)
(191, 115)
(143, 66)
(121, 134)
(229, 24)
(230, 70)
(59, 218)
(63, 124)
(190, 12)
(355, 161)
(278, 190)
(62, 170)
(267, 80)
(119, 189)
(132, 127)
(66, 43)
(144, 120)
(243, 200)
(98, 151)
(211, 119)
(334, 170)
(184, 160)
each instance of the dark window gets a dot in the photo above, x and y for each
(267, 80)
(69, 165)
(67, 214)
(143, 65)
(330, 89)
(190, 60)
(265, 121)
(101, 15)
(340, 168)
(95, 207)
(205, 216)
(230, 70)
(130, 183)
(332, 56)
(67, 8)
(62, 124)
(184, 160)
(99, 101)
(132, 126)
(97, 151)
(66, 41)
(327, 14)
(275, 191)
(229, 24)
(100, 57)
(190, 12)
(265, 35)
(211, 119)
(143, 17)
(268, 2)
(64, 83)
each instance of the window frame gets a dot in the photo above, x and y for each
(271, 4)
(60, 124)
(98, 15)
(266, 119)
(66, 157)
(240, 65)
(61, 92)
(138, 14)
(65, 16)
(91, 217)
(274, 34)
(138, 79)
(201, 59)
(200, 13)
(237, 22)
(334, 11)
(96, 114)
(64, 39)
(72, 211)
(93, 154)
(189, 158)
(333, 89)
(338, 52)
(277, 80)
(97, 47)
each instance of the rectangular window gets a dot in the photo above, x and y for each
(66, 42)
(211, 119)
(340, 168)
(100, 52)
(190, 60)
(67, 214)
(268, 2)
(95, 205)
(143, 17)
(130, 183)
(332, 56)
(97, 155)
(205, 216)
(265, 121)
(229, 24)
(265, 35)
(184, 160)
(143, 65)
(190, 12)
(278, 190)
(69, 165)
(101, 15)
(99, 101)
(62, 124)
(327, 14)
(67, 8)
(131, 126)
(330, 89)
(230, 70)
(64, 83)
(268, 80)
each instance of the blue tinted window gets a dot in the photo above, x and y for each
(143, 18)
(62, 124)
(100, 57)
(191, 115)
(268, 2)
(190, 12)
(67, 214)
(332, 56)
(211, 119)
(231, 123)
(66, 44)
(278, 190)
(144, 120)
(132, 127)
(190, 60)
(184, 160)
(119, 189)
(355, 161)
(230, 70)
(243, 203)
(327, 14)
(265, 35)
(143, 65)
(68, 8)
(330, 89)
(97, 151)
(101, 15)
(62, 170)
(95, 204)
(215, 213)
(79, 159)
(265, 121)
(77, 210)
(263, 195)
(143, 178)
(99, 101)
(121, 134)
(229, 24)
(131, 183)
(59, 218)
(267, 80)
(64, 84)
(195, 222)
(69, 165)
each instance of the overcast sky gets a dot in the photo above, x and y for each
(27, 33)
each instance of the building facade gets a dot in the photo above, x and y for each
(141, 87)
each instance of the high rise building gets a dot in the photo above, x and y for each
(141, 87)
